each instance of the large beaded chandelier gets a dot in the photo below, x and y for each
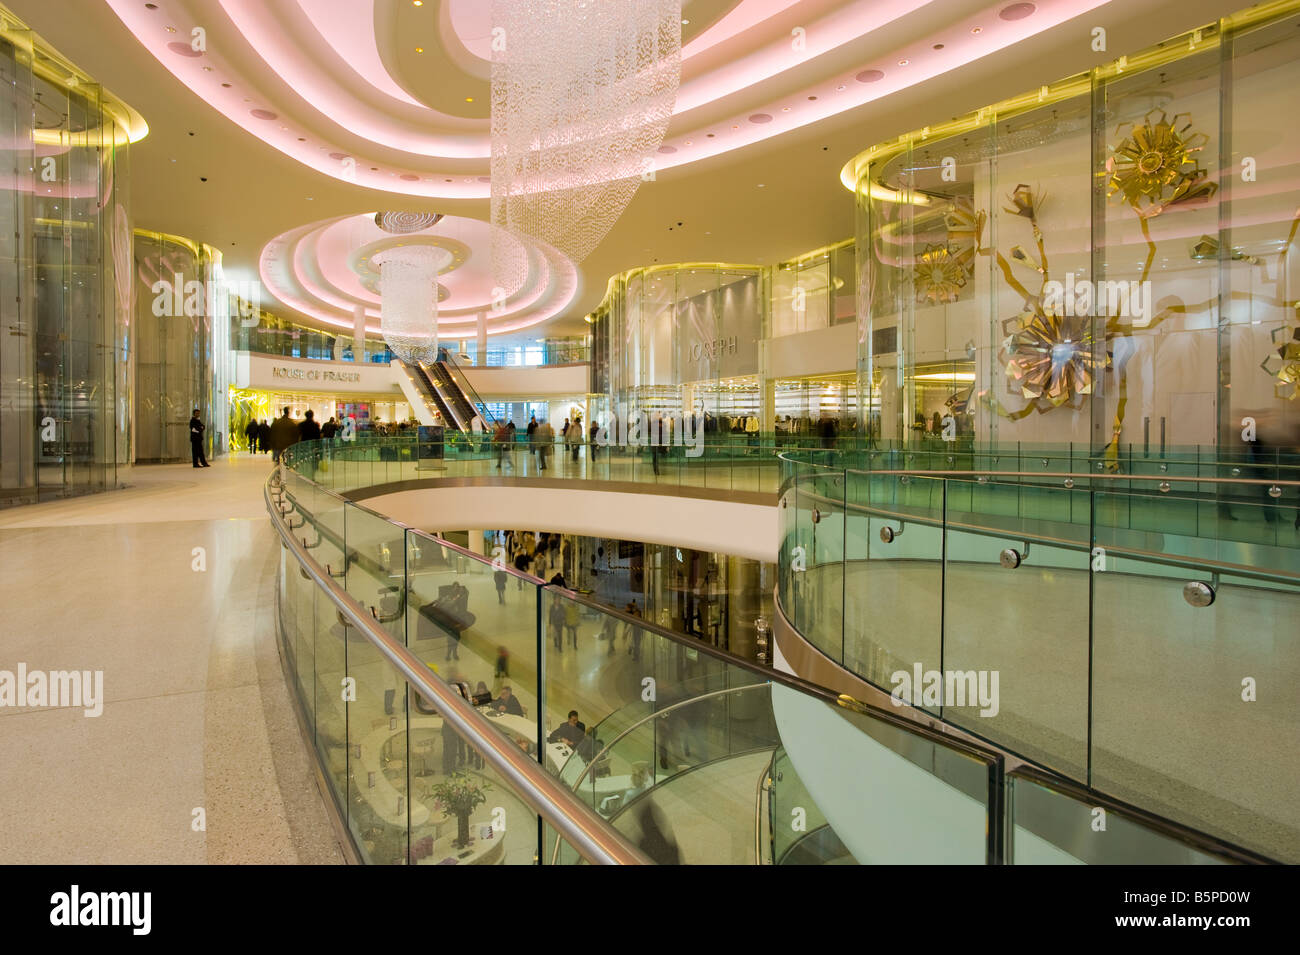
(408, 289)
(582, 91)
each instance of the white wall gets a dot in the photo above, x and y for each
(745, 530)
(511, 382)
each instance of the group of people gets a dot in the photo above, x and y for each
(284, 431)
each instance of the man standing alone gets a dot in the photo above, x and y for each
(196, 441)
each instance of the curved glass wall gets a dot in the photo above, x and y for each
(182, 326)
(1106, 261)
(65, 265)
(684, 339)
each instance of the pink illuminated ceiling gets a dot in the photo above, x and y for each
(324, 270)
(395, 97)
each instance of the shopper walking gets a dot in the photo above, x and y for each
(572, 614)
(556, 621)
(545, 440)
(283, 433)
(500, 579)
(308, 429)
(263, 437)
(251, 434)
(196, 440)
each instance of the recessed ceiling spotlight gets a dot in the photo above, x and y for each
(419, 49)
(171, 29)
(1016, 11)
(840, 88)
(309, 198)
(812, 97)
(302, 139)
(762, 185)
(688, 142)
(976, 29)
(938, 46)
(225, 86)
(469, 99)
(151, 6)
(903, 61)
(207, 69)
(686, 23)
(785, 109)
(710, 135)
(735, 127)
(417, 3)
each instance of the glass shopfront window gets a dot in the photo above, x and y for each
(1079, 259)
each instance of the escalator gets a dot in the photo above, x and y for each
(456, 393)
(425, 400)
(443, 388)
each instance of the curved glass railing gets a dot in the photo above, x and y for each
(1133, 632)
(379, 622)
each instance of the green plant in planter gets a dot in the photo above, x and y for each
(458, 796)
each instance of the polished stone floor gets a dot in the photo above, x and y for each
(168, 588)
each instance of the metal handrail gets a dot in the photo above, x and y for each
(641, 722)
(1064, 475)
(1118, 550)
(1195, 839)
(582, 827)
(415, 671)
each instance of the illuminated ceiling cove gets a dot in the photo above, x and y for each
(394, 94)
(325, 269)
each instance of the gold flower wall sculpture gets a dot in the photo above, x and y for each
(938, 275)
(1284, 363)
(1153, 168)
(1051, 359)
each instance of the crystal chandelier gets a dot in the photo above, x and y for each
(582, 91)
(408, 284)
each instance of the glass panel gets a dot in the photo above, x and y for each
(894, 575)
(1015, 602)
(1052, 828)
(1191, 715)
(379, 753)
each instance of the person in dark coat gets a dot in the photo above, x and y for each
(308, 429)
(283, 433)
(263, 437)
(251, 434)
(196, 441)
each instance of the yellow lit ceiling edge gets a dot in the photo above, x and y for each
(1193, 41)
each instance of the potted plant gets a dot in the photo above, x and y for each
(458, 796)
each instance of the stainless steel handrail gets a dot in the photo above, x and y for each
(1005, 533)
(582, 827)
(641, 722)
(1064, 475)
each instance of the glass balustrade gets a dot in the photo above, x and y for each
(1138, 625)
(691, 755)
